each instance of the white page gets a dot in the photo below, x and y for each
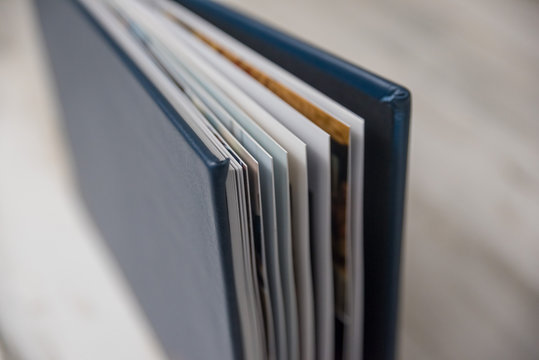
(259, 252)
(356, 159)
(244, 254)
(195, 120)
(258, 268)
(246, 316)
(239, 239)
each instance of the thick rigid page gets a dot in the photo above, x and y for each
(385, 106)
(156, 193)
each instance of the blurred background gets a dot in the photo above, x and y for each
(470, 276)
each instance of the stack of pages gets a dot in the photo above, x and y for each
(289, 236)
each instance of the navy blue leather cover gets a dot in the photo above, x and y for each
(155, 191)
(385, 107)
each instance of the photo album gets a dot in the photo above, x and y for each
(250, 186)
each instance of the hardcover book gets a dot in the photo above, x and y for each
(250, 185)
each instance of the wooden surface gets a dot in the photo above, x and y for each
(471, 259)
(61, 296)
(471, 270)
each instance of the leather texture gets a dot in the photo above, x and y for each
(156, 193)
(385, 106)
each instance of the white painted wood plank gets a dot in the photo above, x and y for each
(470, 284)
(61, 296)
